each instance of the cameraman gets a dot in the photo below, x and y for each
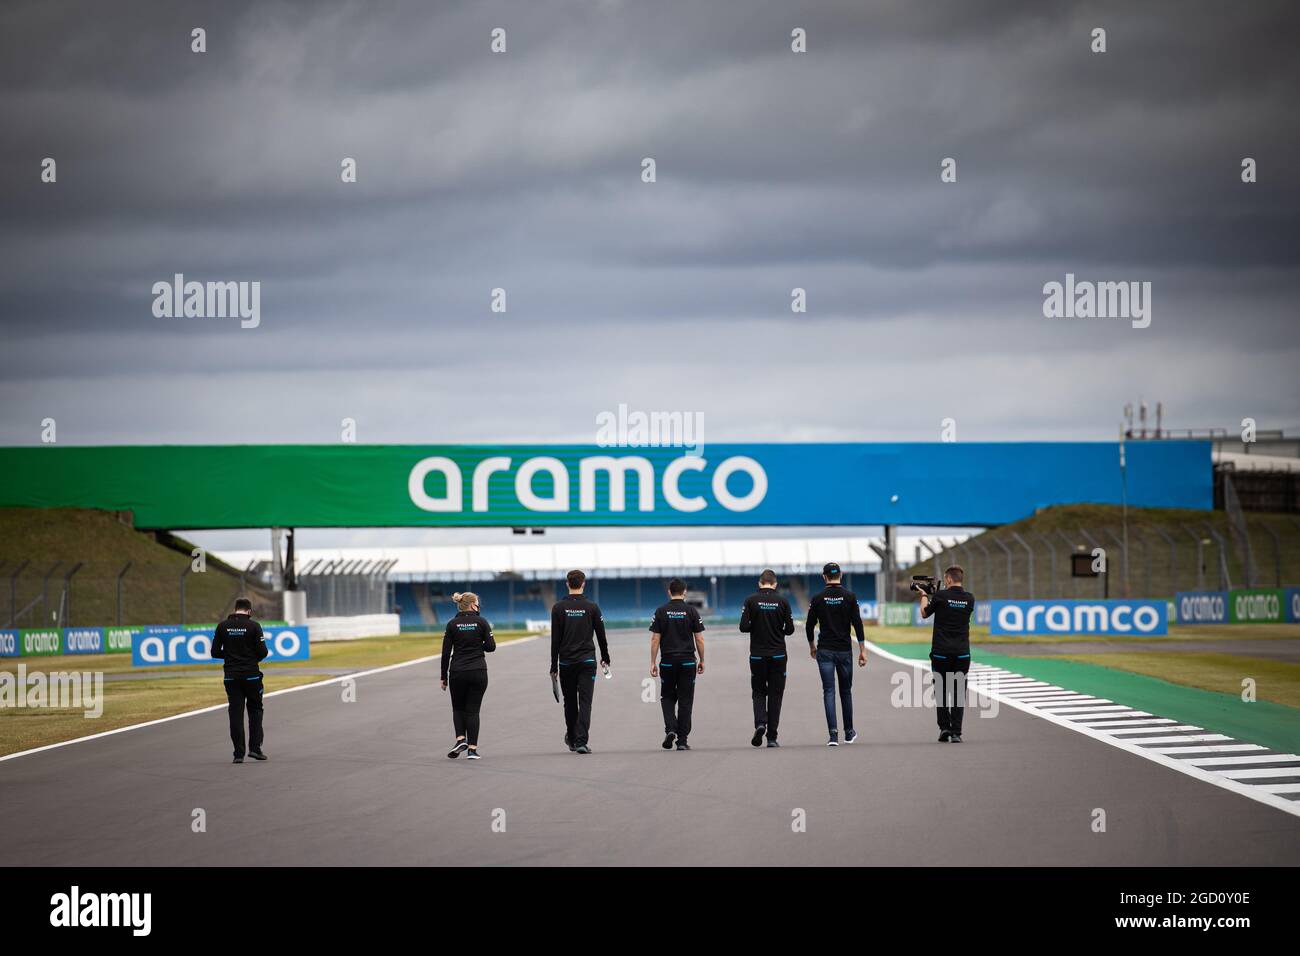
(952, 607)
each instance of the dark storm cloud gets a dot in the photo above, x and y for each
(775, 170)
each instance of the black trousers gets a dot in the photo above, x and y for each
(950, 690)
(577, 684)
(677, 695)
(767, 682)
(244, 692)
(467, 690)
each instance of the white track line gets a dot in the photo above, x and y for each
(1291, 773)
(1208, 748)
(1259, 793)
(274, 693)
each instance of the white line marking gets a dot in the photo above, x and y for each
(1135, 719)
(1257, 793)
(1135, 729)
(1175, 739)
(1278, 787)
(1291, 773)
(1258, 758)
(1207, 748)
(274, 693)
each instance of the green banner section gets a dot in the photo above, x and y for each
(117, 640)
(896, 614)
(40, 642)
(1257, 606)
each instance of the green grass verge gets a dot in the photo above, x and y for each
(1199, 632)
(1263, 722)
(135, 701)
(1276, 681)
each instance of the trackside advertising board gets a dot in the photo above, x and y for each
(1202, 607)
(160, 646)
(40, 642)
(632, 484)
(88, 640)
(1293, 605)
(30, 642)
(1082, 618)
(896, 614)
(1257, 606)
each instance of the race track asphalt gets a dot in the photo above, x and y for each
(368, 782)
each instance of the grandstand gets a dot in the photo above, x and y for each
(519, 583)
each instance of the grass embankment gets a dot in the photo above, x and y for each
(134, 701)
(1155, 570)
(54, 540)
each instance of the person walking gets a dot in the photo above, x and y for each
(465, 644)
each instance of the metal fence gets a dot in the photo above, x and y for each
(48, 593)
(346, 587)
(1157, 560)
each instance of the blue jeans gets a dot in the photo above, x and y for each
(831, 664)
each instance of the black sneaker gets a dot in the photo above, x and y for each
(584, 749)
(238, 760)
(773, 743)
(457, 750)
(944, 736)
(568, 742)
(683, 745)
(955, 739)
(850, 736)
(669, 739)
(757, 739)
(835, 739)
(473, 754)
(257, 755)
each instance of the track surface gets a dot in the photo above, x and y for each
(368, 783)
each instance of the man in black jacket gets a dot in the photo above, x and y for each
(951, 608)
(240, 644)
(836, 609)
(766, 618)
(574, 620)
(676, 658)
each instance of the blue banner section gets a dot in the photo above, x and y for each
(1293, 605)
(83, 640)
(1083, 618)
(1202, 607)
(159, 646)
(10, 644)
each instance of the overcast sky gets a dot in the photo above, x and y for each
(522, 170)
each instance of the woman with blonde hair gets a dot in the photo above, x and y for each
(464, 668)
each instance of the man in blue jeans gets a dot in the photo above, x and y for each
(836, 610)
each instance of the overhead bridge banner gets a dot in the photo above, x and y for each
(346, 485)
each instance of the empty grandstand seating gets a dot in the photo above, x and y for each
(623, 601)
